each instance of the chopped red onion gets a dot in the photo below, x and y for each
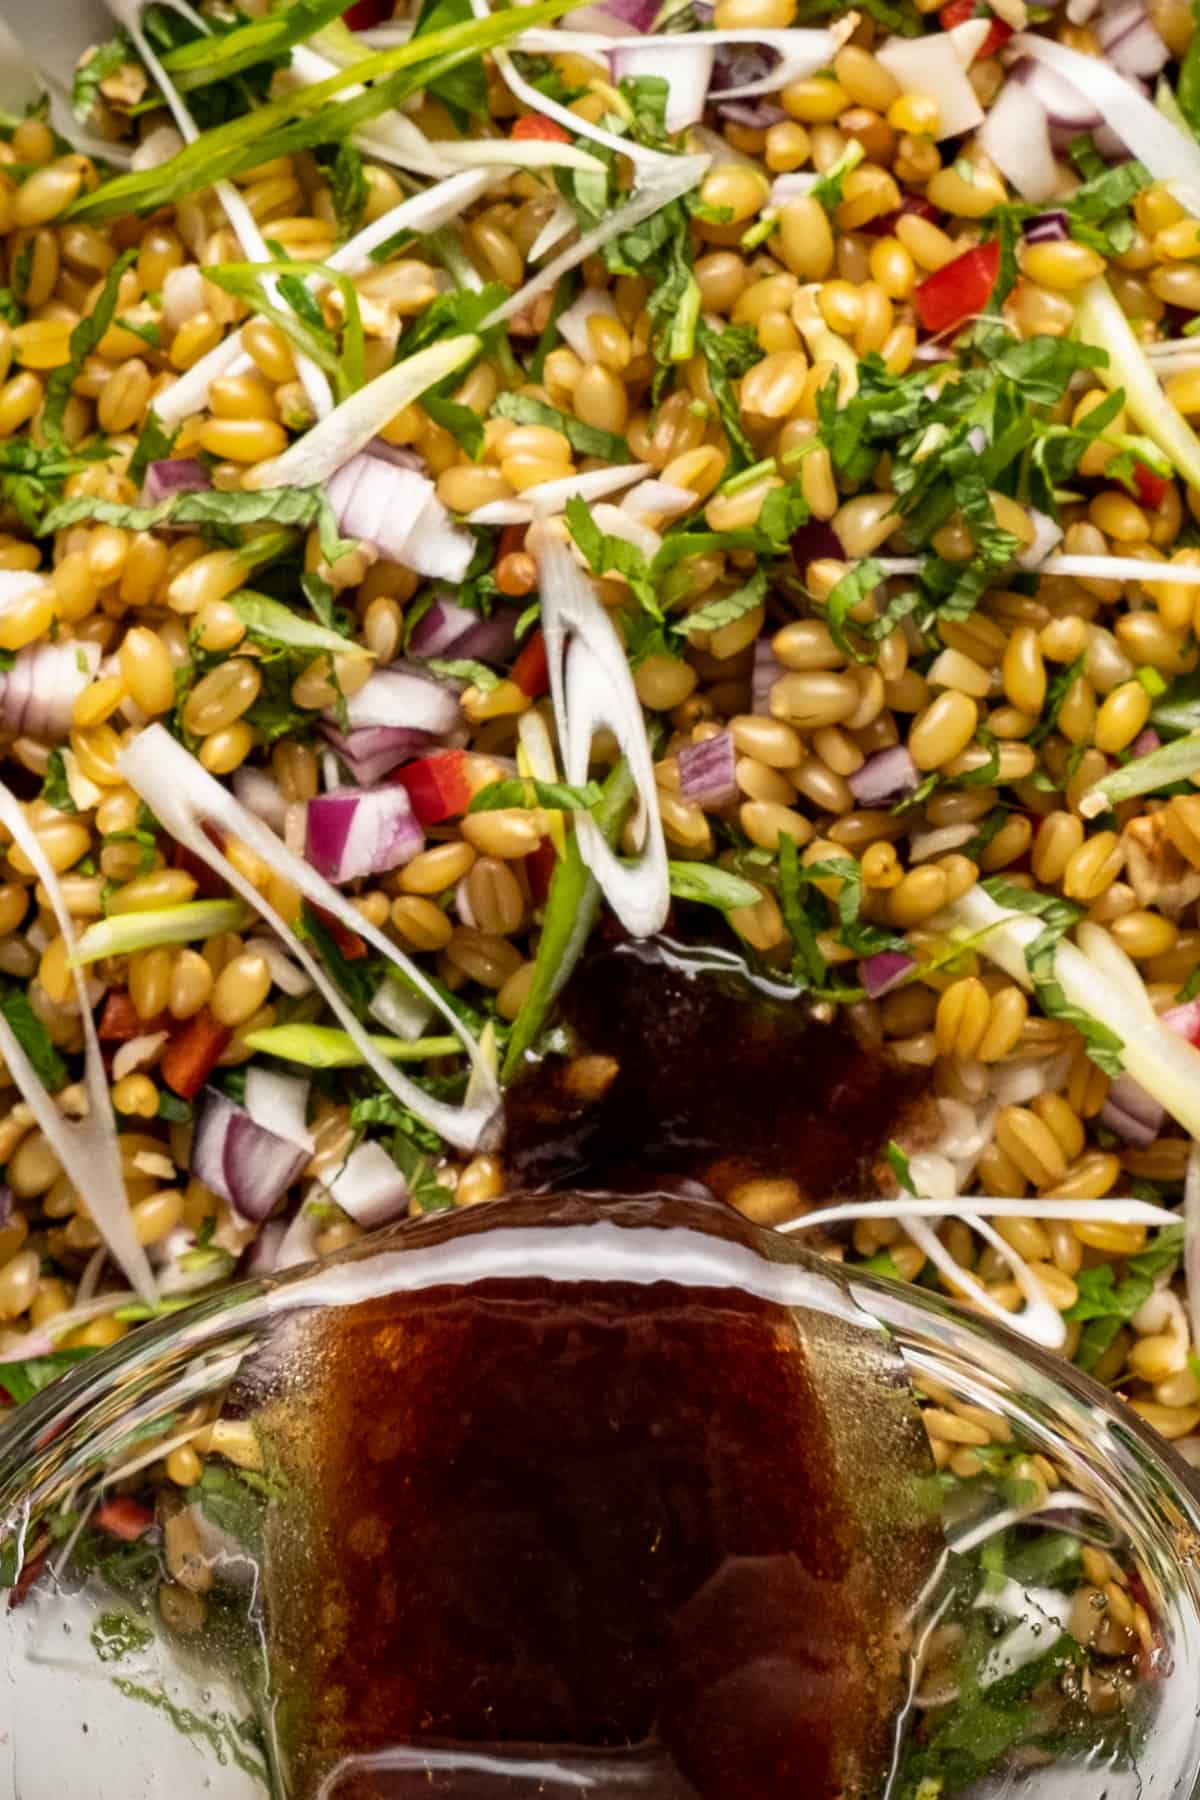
(640, 14)
(373, 751)
(279, 1103)
(754, 115)
(1130, 41)
(1145, 742)
(400, 696)
(399, 455)
(662, 499)
(244, 1163)
(39, 691)
(707, 771)
(1068, 111)
(1016, 135)
(299, 1240)
(261, 793)
(362, 831)
(1184, 1021)
(767, 671)
(887, 775)
(816, 541)
(400, 1009)
(174, 475)
(263, 1255)
(686, 72)
(741, 65)
(398, 513)
(880, 974)
(450, 630)
(1132, 1113)
(1046, 534)
(369, 1187)
(1046, 228)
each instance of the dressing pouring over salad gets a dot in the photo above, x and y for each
(493, 483)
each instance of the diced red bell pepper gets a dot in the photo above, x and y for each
(352, 947)
(123, 1517)
(537, 125)
(192, 1054)
(511, 540)
(365, 13)
(1151, 486)
(539, 867)
(959, 290)
(531, 671)
(438, 786)
(119, 1021)
(957, 12)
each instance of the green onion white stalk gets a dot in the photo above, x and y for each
(1099, 321)
(1178, 761)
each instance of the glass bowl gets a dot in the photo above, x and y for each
(1055, 1519)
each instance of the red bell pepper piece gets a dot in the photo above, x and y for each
(539, 867)
(957, 12)
(365, 13)
(352, 947)
(119, 1021)
(1151, 486)
(192, 1054)
(438, 786)
(537, 125)
(959, 290)
(531, 671)
(123, 1517)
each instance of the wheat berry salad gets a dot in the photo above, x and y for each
(605, 599)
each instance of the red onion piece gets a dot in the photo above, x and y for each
(244, 1163)
(706, 771)
(369, 1187)
(1132, 1113)
(174, 475)
(640, 14)
(450, 630)
(767, 671)
(39, 691)
(399, 455)
(880, 974)
(1145, 742)
(374, 751)
(740, 65)
(887, 775)
(754, 115)
(398, 513)
(1068, 112)
(361, 831)
(1130, 41)
(261, 794)
(1046, 228)
(815, 542)
(400, 696)
(1184, 1021)
(263, 1254)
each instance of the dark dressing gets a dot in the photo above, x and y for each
(695, 1071)
(666, 1520)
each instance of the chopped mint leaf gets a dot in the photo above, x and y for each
(555, 796)
(56, 790)
(588, 440)
(83, 341)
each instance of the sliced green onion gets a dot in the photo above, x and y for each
(123, 933)
(1178, 761)
(1100, 322)
(325, 1047)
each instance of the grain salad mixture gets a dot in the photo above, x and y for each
(489, 481)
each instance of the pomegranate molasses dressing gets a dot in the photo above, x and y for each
(625, 1486)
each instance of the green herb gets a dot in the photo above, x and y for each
(104, 61)
(588, 440)
(309, 116)
(358, 979)
(855, 586)
(426, 1193)
(1058, 916)
(728, 355)
(154, 445)
(463, 90)
(327, 1047)
(571, 909)
(808, 965)
(270, 622)
(56, 790)
(215, 58)
(555, 796)
(461, 668)
(234, 1501)
(1190, 988)
(10, 312)
(215, 508)
(715, 614)
(34, 1039)
(899, 1165)
(707, 885)
(21, 1380)
(1105, 1304)
(564, 293)
(1175, 762)
(1056, 693)
(83, 341)
(1187, 88)
(827, 188)
(301, 319)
